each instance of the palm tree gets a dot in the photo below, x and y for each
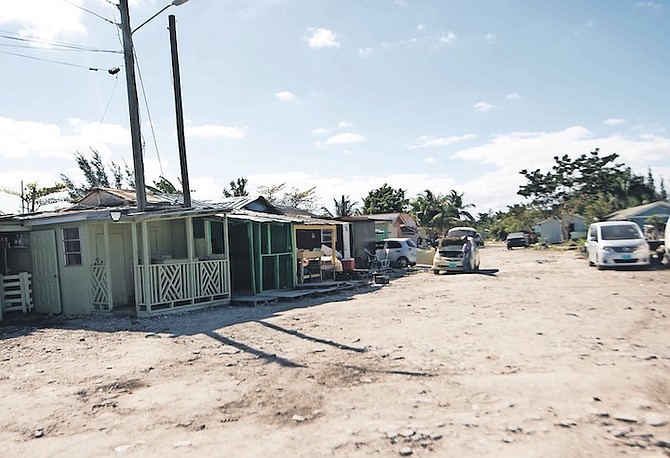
(344, 207)
(454, 202)
(440, 212)
(425, 207)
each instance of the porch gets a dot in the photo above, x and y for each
(177, 263)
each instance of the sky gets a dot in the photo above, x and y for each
(340, 95)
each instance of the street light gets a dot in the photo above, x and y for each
(133, 103)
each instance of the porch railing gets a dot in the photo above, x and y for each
(99, 288)
(181, 284)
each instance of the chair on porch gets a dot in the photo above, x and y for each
(374, 263)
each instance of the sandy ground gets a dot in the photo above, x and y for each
(547, 358)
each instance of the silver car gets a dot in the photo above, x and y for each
(400, 252)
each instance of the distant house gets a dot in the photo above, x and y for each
(553, 230)
(641, 213)
(394, 225)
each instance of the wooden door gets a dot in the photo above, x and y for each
(46, 280)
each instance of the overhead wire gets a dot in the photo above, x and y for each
(52, 44)
(109, 101)
(151, 123)
(53, 61)
(90, 12)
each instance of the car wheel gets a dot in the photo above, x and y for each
(403, 262)
(436, 271)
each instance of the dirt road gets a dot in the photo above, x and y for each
(547, 358)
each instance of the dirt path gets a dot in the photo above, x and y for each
(547, 358)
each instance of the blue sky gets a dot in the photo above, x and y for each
(342, 95)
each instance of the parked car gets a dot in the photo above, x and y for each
(449, 255)
(616, 243)
(517, 239)
(466, 231)
(401, 252)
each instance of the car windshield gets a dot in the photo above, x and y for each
(411, 243)
(516, 235)
(620, 232)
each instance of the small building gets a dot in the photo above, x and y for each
(400, 225)
(641, 213)
(103, 254)
(553, 230)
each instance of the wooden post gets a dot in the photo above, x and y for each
(108, 265)
(135, 264)
(226, 248)
(146, 261)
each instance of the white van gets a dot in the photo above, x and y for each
(616, 243)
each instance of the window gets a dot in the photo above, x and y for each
(72, 246)
(326, 236)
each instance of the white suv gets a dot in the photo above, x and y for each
(400, 252)
(616, 243)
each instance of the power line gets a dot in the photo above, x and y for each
(56, 45)
(151, 123)
(90, 12)
(50, 60)
(109, 101)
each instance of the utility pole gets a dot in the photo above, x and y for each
(181, 141)
(133, 106)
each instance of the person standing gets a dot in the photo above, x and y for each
(467, 253)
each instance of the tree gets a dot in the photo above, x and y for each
(33, 197)
(572, 185)
(295, 198)
(271, 192)
(344, 207)
(165, 186)
(385, 200)
(440, 213)
(96, 176)
(238, 188)
(425, 207)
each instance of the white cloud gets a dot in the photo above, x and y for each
(364, 52)
(514, 96)
(342, 139)
(322, 38)
(446, 38)
(285, 96)
(343, 124)
(43, 19)
(420, 27)
(648, 5)
(614, 121)
(428, 141)
(483, 106)
(320, 131)
(508, 153)
(497, 160)
(490, 38)
(20, 139)
(216, 131)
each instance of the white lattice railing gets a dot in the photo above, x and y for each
(178, 284)
(99, 288)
